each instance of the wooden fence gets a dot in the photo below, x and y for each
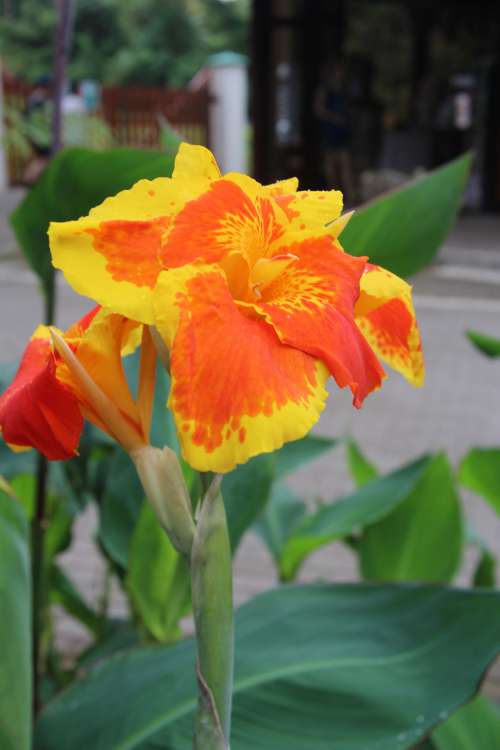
(135, 116)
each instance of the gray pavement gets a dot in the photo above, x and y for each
(459, 406)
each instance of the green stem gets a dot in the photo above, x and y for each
(211, 580)
(38, 576)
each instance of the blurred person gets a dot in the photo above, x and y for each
(332, 109)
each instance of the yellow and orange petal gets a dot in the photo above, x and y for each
(195, 164)
(37, 410)
(311, 307)
(114, 254)
(232, 216)
(236, 390)
(99, 351)
(114, 262)
(385, 314)
(310, 213)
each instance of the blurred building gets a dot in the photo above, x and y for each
(365, 92)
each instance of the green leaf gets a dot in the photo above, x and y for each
(158, 578)
(118, 636)
(246, 491)
(362, 470)
(422, 539)
(282, 515)
(486, 344)
(12, 464)
(474, 727)
(76, 180)
(480, 471)
(122, 502)
(63, 592)
(485, 572)
(404, 229)
(342, 517)
(15, 627)
(293, 455)
(347, 666)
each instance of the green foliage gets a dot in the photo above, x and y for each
(15, 627)
(299, 452)
(150, 42)
(422, 539)
(246, 492)
(64, 593)
(475, 727)
(354, 648)
(403, 230)
(485, 572)
(284, 512)
(362, 470)
(69, 188)
(480, 471)
(340, 519)
(247, 489)
(121, 505)
(158, 579)
(487, 345)
(27, 38)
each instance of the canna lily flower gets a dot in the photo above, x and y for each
(64, 378)
(250, 290)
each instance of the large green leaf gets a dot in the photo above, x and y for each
(76, 180)
(122, 502)
(404, 229)
(480, 471)
(158, 578)
(248, 488)
(422, 539)
(64, 592)
(474, 727)
(361, 469)
(15, 627)
(295, 454)
(317, 667)
(336, 520)
(486, 344)
(284, 511)
(246, 492)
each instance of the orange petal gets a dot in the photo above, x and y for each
(236, 391)
(231, 217)
(311, 306)
(37, 410)
(310, 212)
(99, 352)
(385, 315)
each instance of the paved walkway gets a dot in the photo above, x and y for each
(458, 407)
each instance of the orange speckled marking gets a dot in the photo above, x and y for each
(311, 306)
(132, 248)
(226, 367)
(222, 220)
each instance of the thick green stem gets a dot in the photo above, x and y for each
(212, 593)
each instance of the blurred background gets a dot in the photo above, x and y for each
(353, 93)
(361, 95)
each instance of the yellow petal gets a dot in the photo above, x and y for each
(195, 163)
(385, 315)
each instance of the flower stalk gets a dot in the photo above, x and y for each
(161, 477)
(212, 593)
